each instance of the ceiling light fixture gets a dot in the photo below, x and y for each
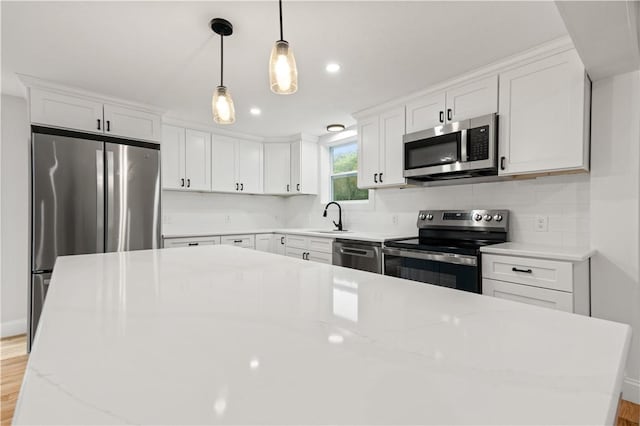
(283, 74)
(222, 104)
(333, 68)
(335, 127)
(255, 111)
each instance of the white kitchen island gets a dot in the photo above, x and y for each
(221, 334)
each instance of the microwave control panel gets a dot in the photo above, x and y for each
(478, 143)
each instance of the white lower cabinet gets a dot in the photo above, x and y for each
(561, 285)
(310, 248)
(264, 242)
(246, 241)
(191, 242)
(279, 244)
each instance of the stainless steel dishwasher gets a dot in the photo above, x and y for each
(362, 255)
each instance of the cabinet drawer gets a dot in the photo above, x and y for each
(295, 252)
(246, 241)
(542, 273)
(191, 242)
(320, 257)
(543, 297)
(323, 245)
(296, 241)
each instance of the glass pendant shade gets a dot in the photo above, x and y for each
(222, 106)
(283, 74)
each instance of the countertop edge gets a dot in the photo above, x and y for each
(356, 235)
(542, 252)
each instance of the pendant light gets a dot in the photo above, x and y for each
(283, 74)
(222, 104)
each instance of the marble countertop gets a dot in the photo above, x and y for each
(379, 237)
(572, 254)
(221, 334)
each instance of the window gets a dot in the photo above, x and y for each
(344, 173)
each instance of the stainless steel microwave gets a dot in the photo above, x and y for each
(465, 148)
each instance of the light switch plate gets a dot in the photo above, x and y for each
(394, 219)
(542, 223)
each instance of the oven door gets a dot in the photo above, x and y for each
(457, 271)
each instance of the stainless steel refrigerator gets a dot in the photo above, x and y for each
(89, 194)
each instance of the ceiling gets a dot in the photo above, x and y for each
(164, 54)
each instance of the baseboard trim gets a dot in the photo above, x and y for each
(631, 390)
(13, 328)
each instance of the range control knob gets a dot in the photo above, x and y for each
(487, 217)
(422, 216)
(429, 216)
(477, 217)
(497, 218)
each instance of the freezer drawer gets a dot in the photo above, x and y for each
(39, 288)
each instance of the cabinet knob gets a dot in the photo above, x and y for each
(502, 160)
(237, 186)
(298, 187)
(98, 124)
(287, 187)
(449, 114)
(442, 116)
(380, 177)
(108, 125)
(188, 183)
(375, 178)
(242, 187)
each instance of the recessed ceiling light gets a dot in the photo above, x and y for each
(255, 111)
(335, 127)
(333, 67)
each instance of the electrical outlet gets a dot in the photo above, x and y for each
(542, 223)
(394, 219)
(227, 218)
(167, 219)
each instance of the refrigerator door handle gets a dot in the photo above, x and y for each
(110, 192)
(99, 201)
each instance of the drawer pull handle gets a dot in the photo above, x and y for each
(193, 244)
(526, 271)
(237, 241)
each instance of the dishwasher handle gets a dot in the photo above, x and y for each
(351, 251)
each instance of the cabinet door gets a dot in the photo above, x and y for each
(277, 168)
(320, 257)
(223, 164)
(250, 166)
(198, 160)
(131, 123)
(308, 175)
(425, 112)
(296, 158)
(279, 244)
(543, 297)
(472, 99)
(54, 109)
(172, 152)
(368, 152)
(264, 242)
(543, 114)
(392, 148)
(296, 241)
(295, 252)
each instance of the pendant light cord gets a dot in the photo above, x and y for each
(281, 36)
(221, 60)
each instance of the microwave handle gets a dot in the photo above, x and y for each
(463, 145)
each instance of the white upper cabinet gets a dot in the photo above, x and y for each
(544, 116)
(131, 123)
(186, 159)
(368, 151)
(55, 109)
(172, 152)
(459, 102)
(304, 167)
(472, 99)
(277, 168)
(425, 112)
(198, 160)
(249, 158)
(223, 164)
(91, 115)
(236, 165)
(380, 149)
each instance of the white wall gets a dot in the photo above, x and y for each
(14, 224)
(615, 221)
(194, 212)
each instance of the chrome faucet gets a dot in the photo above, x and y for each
(339, 224)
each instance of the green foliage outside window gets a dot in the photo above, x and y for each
(344, 180)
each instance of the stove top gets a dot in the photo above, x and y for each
(457, 231)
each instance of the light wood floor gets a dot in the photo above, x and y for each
(13, 351)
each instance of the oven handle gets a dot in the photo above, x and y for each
(458, 259)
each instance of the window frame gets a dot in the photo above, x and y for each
(332, 175)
